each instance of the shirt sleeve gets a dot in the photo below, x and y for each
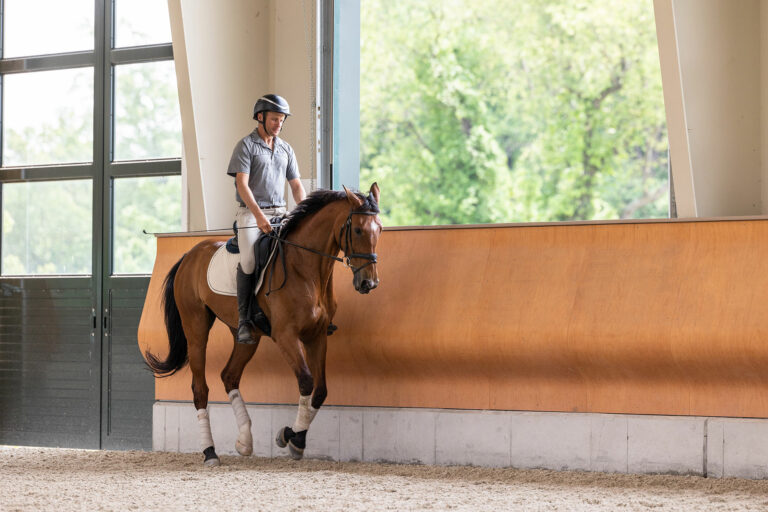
(292, 169)
(240, 160)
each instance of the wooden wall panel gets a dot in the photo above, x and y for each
(651, 318)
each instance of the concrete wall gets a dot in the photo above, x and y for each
(764, 101)
(225, 59)
(613, 443)
(720, 64)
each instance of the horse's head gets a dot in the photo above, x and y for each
(360, 235)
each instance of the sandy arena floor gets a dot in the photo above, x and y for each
(40, 479)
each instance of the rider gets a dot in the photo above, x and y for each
(261, 163)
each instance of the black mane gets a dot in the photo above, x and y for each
(316, 200)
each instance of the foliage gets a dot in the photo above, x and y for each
(47, 227)
(502, 111)
(151, 204)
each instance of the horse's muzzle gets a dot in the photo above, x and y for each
(366, 285)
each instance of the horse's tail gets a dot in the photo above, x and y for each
(177, 356)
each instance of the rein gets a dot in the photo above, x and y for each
(346, 260)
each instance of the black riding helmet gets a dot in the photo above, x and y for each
(271, 103)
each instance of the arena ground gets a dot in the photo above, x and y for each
(42, 479)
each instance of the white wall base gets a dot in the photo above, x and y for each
(617, 443)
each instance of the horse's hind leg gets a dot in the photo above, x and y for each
(230, 376)
(196, 325)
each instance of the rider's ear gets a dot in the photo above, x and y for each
(355, 201)
(375, 191)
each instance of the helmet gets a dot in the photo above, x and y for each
(271, 103)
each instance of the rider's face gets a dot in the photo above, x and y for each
(273, 123)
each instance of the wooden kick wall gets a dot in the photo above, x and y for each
(647, 318)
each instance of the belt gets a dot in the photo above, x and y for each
(266, 207)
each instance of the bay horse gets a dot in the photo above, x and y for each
(320, 226)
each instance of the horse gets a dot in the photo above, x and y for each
(300, 311)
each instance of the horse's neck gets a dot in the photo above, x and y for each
(319, 232)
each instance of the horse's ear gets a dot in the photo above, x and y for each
(375, 191)
(355, 201)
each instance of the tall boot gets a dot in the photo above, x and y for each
(245, 285)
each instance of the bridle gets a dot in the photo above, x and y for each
(345, 233)
(347, 260)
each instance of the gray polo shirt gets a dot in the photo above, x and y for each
(267, 170)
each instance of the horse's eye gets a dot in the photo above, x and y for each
(358, 231)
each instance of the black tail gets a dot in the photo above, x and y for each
(177, 357)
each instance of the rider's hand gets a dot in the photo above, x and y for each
(263, 223)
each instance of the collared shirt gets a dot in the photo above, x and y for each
(267, 170)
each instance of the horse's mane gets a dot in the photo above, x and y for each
(316, 200)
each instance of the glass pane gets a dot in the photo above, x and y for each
(143, 204)
(512, 110)
(141, 22)
(147, 120)
(36, 27)
(38, 239)
(48, 117)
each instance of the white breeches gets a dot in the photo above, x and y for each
(248, 233)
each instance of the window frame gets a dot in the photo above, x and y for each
(102, 169)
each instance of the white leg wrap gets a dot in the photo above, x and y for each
(244, 442)
(305, 415)
(204, 429)
(241, 414)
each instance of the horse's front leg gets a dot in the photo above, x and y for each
(310, 373)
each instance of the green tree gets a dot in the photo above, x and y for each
(512, 111)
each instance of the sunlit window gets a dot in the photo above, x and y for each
(89, 98)
(48, 117)
(151, 204)
(47, 227)
(147, 119)
(35, 27)
(141, 22)
(512, 110)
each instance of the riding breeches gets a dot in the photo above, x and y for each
(248, 233)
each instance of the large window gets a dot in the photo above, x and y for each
(512, 110)
(91, 136)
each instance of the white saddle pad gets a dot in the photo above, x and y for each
(222, 272)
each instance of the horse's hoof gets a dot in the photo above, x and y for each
(296, 452)
(243, 449)
(244, 442)
(282, 439)
(211, 459)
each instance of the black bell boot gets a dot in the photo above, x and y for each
(245, 285)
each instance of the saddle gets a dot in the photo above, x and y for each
(265, 249)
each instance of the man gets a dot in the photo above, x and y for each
(261, 163)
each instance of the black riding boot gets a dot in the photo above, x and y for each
(245, 285)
